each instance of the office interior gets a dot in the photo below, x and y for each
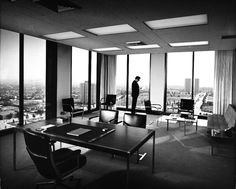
(24, 21)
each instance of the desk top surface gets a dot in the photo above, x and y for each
(117, 139)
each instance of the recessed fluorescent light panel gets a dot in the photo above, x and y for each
(123, 28)
(108, 49)
(63, 35)
(133, 42)
(178, 22)
(144, 46)
(194, 43)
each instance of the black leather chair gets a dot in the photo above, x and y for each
(68, 106)
(55, 165)
(109, 102)
(152, 108)
(186, 107)
(135, 120)
(107, 116)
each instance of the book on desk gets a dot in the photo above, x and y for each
(78, 132)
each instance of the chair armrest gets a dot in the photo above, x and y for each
(92, 117)
(126, 124)
(155, 106)
(102, 99)
(119, 122)
(112, 120)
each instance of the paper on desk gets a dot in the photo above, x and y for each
(78, 131)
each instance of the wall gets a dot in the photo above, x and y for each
(51, 79)
(64, 58)
(234, 80)
(157, 78)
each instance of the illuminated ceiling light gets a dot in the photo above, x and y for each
(194, 43)
(123, 28)
(108, 49)
(178, 22)
(135, 43)
(63, 35)
(151, 46)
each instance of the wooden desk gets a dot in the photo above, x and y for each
(124, 141)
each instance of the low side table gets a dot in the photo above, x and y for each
(186, 121)
(171, 117)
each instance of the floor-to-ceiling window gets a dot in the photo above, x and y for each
(139, 65)
(179, 79)
(9, 79)
(121, 77)
(80, 60)
(34, 78)
(203, 81)
(93, 80)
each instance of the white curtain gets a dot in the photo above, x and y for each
(222, 81)
(108, 75)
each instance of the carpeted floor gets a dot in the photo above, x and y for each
(181, 162)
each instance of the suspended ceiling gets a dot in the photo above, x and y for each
(29, 17)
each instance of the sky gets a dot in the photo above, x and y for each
(139, 66)
(179, 67)
(34, 57)
(79, 65)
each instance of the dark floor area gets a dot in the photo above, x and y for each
(181, 162)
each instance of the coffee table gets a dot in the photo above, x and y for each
(186, 121)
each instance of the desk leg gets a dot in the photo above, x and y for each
(153, 154)
(14, 150)
(211, 149)
(196, 126)
(127, 172)
(184, 128)
(167, 128)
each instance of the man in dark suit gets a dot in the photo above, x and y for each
(135, 93)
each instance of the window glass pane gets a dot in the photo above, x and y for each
(179, 82)
(34, 78)
(93, 80)
(139, 65)
(203, 82)
(80, 77)
(121, 76)
(9, 79)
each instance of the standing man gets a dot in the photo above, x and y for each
(135, 93)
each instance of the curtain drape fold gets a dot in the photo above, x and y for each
(108, 75)
(222, 81)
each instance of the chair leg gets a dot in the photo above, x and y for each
(137, 157)
(45, 183)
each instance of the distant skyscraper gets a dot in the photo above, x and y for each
(93, 93)
(188, 85)
(84, 92)
(196, 86)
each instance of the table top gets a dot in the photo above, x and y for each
(176, 117)
(123, 140)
